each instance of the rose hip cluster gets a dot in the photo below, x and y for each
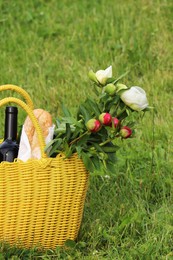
(94, 125)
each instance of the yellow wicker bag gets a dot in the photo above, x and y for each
(41, 201)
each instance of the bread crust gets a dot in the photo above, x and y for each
(45, 121)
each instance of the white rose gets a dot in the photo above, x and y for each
(103, 75)
(135, 98)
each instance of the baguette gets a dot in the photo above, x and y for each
(45, 121)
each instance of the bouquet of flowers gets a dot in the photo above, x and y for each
(99, 122)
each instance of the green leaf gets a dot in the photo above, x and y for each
(131, 124)
(58, 122)
(68, 132)
(76, 133)
(93, 106)
(97, 147)
(67, 149)
(96, 163)
(83, 111)
(56, 146)
(112, 158)
(72, 121)
(50, 144)
(110, 149)
(113, 110)
(87, 162)
(111, 167)
(122, 115)
(79, 150)
(106, 102)
(113, 106)
(89, 108)
(83, 140)
(128, 112)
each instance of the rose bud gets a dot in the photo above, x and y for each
(115, 122)
(110, 89)
(135, 98)
(93, 125)
(103, 75)
(125, 132)
(105, 118)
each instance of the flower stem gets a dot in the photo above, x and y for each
(105, 142)
(78, 138)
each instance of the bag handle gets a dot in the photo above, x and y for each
(19, 90)
(29, 111)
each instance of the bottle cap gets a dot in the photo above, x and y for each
(11, 109)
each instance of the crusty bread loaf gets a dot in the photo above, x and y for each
(45, 121)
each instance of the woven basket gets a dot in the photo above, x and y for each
(41, 201)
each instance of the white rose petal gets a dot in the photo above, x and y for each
(135, 98)
(103, 75)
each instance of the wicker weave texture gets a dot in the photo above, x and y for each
(42, 201)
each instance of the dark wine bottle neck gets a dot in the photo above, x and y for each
(11, 123)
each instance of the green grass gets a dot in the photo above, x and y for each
(48, 47)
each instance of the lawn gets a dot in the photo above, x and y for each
(48, 47)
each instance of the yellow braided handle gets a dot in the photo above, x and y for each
(19, 90)
(32, 117)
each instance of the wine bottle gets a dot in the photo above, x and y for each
(9, 147)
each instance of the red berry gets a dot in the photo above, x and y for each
(93, 125)
(105, 118)
(125, 132)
